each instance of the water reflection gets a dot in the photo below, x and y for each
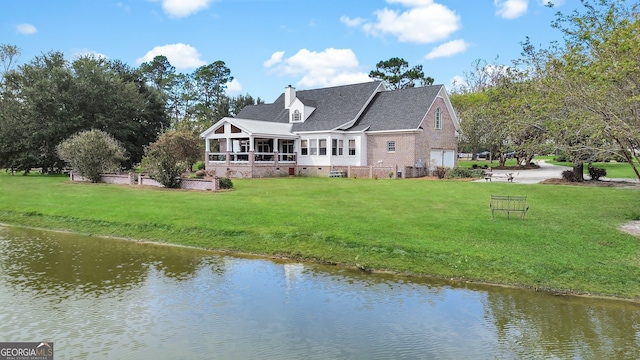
(106, 298)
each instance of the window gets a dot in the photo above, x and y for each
(337, 147)
(391, 146)
(323, 146)
(313, 147)
(438, 119)
(263, 145)
(304, 148)
(296, 117)
(244, 146)
(352, 146)
(287, 146)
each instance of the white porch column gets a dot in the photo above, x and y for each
(275, 145)
(251, 145)
(229, 145)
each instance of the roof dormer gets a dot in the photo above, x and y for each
(300, 110)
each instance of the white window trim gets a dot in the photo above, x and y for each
(389, 143)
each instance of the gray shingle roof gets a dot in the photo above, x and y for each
(335, 107)
(398, 109)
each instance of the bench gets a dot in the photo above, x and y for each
(337, 173)
(488, 175)
(509, 204)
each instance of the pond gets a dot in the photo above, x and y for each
(98, 298)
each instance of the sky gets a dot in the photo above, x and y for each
(269, 44)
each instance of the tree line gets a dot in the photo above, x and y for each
(579, 98)
(50, 99)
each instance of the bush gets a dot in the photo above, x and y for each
(225, 183)
(440, 172)
(201, 173)
(464, 173)
(199, 165)
(570, 176)
(561, 158)
(162, 165)
(91, 153)
(596, 173)
(167, 158)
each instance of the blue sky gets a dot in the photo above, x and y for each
(269, 44)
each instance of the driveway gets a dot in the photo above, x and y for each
(530, 176)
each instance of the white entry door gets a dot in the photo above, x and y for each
(443, 158)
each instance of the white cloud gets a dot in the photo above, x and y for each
(448, 49)
(355, 22)
(234, 87)
(331, 67)
(276, 57)
(180, 55)
(26, 29)
(423, 22)
(183, 8)
(511, 9)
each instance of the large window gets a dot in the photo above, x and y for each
(391, 146)
(287, 146)
(244, 145)
(337, 147)
(323, 146)
(313, 147)
(304, 147)
(438, 120)
(263, 145)
(352, 146)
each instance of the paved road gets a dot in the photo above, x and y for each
(534, 176)
(531, 176)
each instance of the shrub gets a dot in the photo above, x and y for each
(91, 153)
(199, 165)
(464, 173)
(201, 173)
(570, 176)
(225, 183)
(561, 158)
(440, 172)
(167, 158)
(596, 173)
(162, 165)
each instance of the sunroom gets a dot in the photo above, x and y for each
(241, 141)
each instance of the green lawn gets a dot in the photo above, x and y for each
(568, 242)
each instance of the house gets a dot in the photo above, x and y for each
(361, 129)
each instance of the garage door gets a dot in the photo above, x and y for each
(443, 158)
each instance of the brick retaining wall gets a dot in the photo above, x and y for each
(130, 179)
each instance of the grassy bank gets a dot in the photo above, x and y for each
(569, 241)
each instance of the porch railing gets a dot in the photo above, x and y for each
(264, 157)
(217, 157)
(285, 157)
(259, 157)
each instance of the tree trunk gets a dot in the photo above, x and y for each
(578, 170)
